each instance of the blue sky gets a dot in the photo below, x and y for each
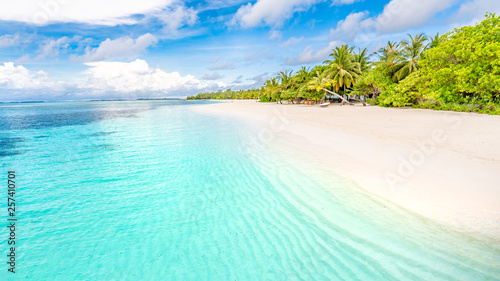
(70, 50)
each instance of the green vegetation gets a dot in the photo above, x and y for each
(228, 94)
(457, 71)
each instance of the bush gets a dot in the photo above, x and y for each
(405, 93)
(461, 73)
(373, 82)
(478, 108)
(465, 67)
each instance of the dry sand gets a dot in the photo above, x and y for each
(444, 166)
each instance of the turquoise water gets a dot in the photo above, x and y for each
(150, 190)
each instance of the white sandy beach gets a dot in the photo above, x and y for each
(441, 165)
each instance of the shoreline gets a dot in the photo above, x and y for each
(444, 166)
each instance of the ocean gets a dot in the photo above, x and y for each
(152, 190)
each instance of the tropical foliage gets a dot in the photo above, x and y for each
(459, 70)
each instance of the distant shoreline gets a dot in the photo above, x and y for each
(137, 99)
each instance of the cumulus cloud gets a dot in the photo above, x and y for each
(269, 12)
(308, 55)
(100, 80)
(52, 48)
(176, 16)
(398, 15)
(121, 48)
(346, 29)
(19, 83)
(474, 11)
(137, 76)
(110, 12)
(291, 42)
(8, 40)
(274, 12)
(172, 13)
(19, 77)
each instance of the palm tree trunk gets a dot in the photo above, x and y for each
(337, 95)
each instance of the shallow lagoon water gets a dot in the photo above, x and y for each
(150, 190)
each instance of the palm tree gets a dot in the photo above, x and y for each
(389, 56)
(302, 76)
(362, 59)
(321, 82)
(271, 87)
(272, 83)
(391, 49)
(411, 53)
(435, 41)
(343, 69)
(300, 80)
(286, 81)
(285, 78)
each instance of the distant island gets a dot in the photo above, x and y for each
(35, 101)
(137, 99)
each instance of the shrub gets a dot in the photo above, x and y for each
(465, 66)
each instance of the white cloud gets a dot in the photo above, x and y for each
(269, 12)
(211, 76)
(400, 15)
(274, 12)
(19, 77)
(121, 48)
(101, 80)
(137, 76)
(176, 16)
(109, 12)
(397, 16)
(347, 29)
(52, 48)
(8, 40)
(291, 42)
(309, 56)
(172, 13)
(474, 11)
(23, 59)
(18, 83)
(344, 2)
(275, 34)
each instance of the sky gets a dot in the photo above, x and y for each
(108, 49)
